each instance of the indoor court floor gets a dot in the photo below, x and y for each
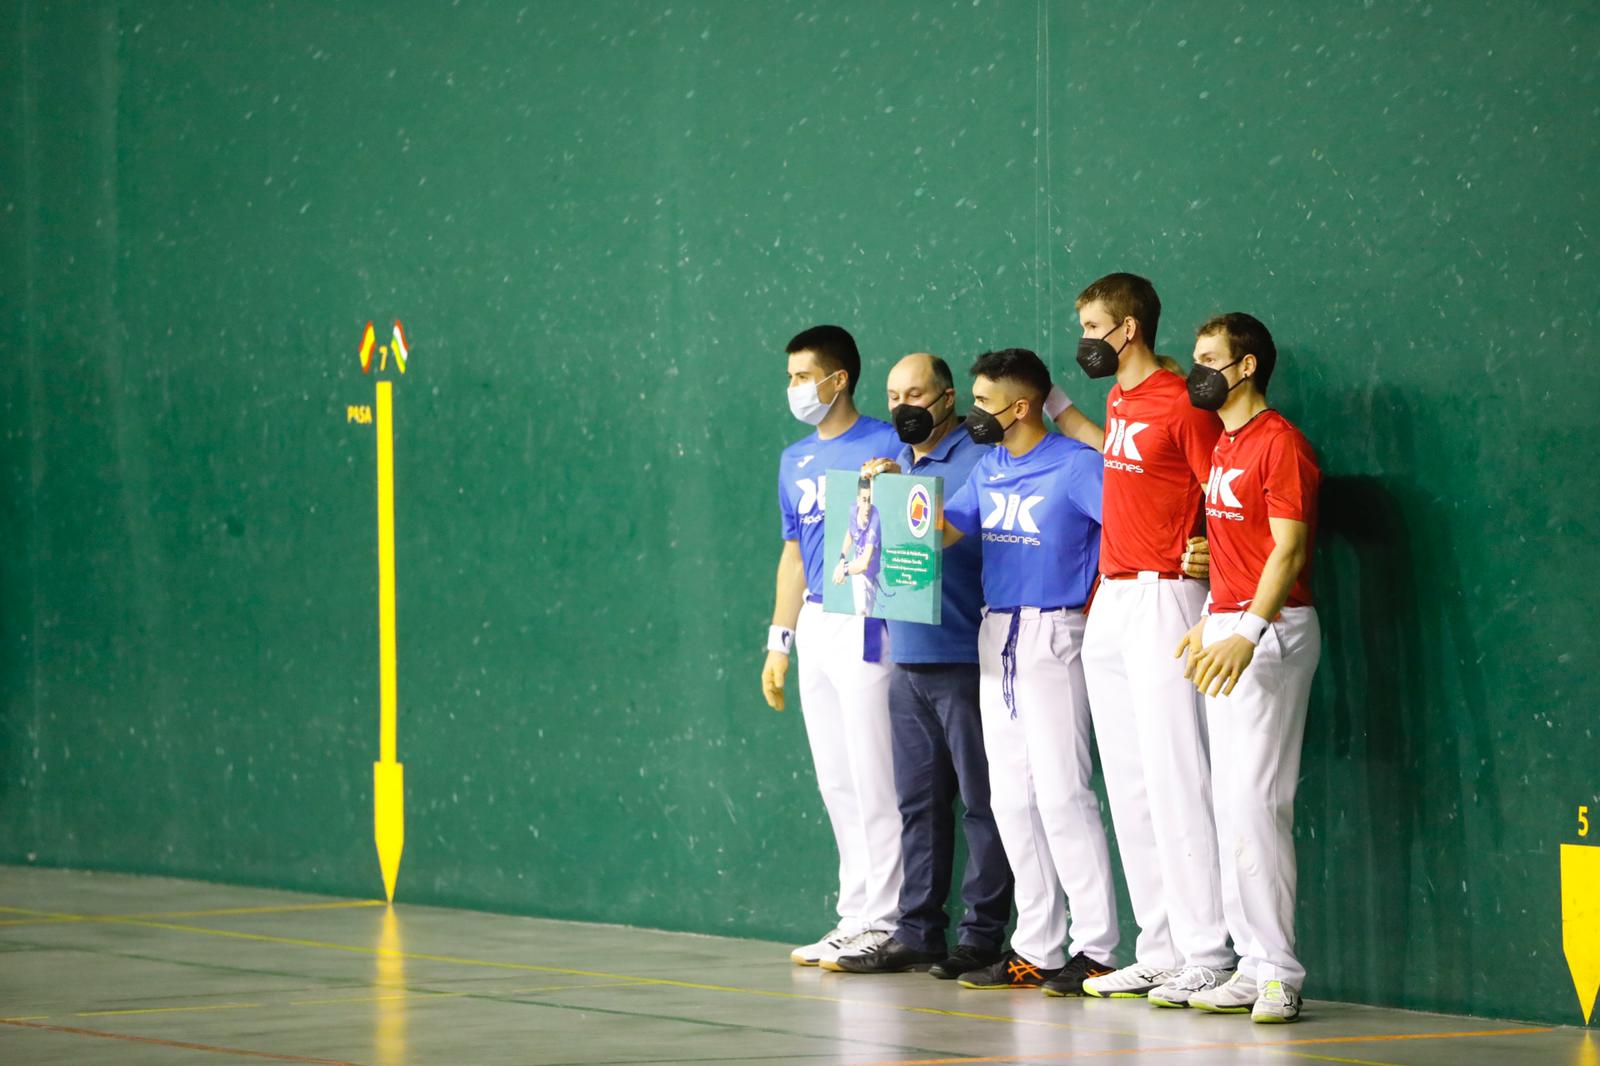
(99, 968)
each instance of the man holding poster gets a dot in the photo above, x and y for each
(933, 714)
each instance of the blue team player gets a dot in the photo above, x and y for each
(844, 661)
(1035, 503)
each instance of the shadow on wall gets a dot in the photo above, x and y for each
(1398, 743)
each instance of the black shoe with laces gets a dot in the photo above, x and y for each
(1068, 980)
(889, 957)
(964, 959)
(1012, 971)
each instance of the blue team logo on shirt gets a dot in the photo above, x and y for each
(919, 511)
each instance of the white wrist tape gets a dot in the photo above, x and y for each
(1251, 626)
(780, 639)
(1056, 402)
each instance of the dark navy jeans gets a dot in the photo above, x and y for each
(938, 755)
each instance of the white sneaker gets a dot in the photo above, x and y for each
(1178, 988)
(1130, 982)
(1277, 1004)
(812, 954)
(1235, 997)
(863, 942)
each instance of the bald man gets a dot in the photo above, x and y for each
(937, 737)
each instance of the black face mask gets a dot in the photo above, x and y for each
(985, 428)
(1096, 356)
(1209, 388)
(914, 424)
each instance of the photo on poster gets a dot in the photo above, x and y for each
(883, 539)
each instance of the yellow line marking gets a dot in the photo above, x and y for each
(388, 774)
(46, 918)
(1332, 1058)
(166, 1010)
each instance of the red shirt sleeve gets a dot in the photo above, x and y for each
(1291, 479)
(1197, 432)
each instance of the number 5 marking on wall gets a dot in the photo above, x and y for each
(1583, 821)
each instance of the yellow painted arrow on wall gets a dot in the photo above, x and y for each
(388, 775)
(1580, 920)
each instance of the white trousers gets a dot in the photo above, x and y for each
(846, 706)
(1039, 787)
(1256, 733)
(1149, 722)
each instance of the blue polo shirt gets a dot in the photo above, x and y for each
(955, 638)
(1037, 517)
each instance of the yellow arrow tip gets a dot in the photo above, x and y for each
(389, 820)
(1580, 921)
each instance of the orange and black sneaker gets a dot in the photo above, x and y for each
(1012, 971)
(1068, 980)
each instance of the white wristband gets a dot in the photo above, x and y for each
(1251, 626)
(780, 639)
(1056, 402)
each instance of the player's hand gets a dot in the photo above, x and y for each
(772, 679)
(838, 573)
(1190, 646)
(1217, 667)
(874, 467)
(1197, 558)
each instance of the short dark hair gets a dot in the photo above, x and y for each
(1127, 296)
(941, 374)
(834, 348)
(1015, 364)
(1245, 335)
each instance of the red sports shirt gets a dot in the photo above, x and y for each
(1158, 453)
(1266, 470)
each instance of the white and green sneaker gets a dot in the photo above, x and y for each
(1236, 996)
(1277, 1004)
(1180, 988)
(1130, 982)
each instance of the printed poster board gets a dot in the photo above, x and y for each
(883, 540)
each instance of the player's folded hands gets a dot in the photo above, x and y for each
(1218, 666)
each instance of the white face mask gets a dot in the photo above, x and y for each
(807, 406)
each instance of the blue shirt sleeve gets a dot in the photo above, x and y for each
(961, 510)
(1087, 482)
(791, 521)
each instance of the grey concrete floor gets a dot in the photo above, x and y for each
(99, 968)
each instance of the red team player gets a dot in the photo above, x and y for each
(1147, 717)
(1253, 656)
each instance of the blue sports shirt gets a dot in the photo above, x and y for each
(1039, 519)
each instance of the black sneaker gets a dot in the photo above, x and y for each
(964, 959)
(1068, 980)
(889, 957)
(1012, 971)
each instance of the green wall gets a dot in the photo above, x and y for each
(599, 222)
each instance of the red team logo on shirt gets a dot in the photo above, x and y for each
(1220, 500)
(1122, 440)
